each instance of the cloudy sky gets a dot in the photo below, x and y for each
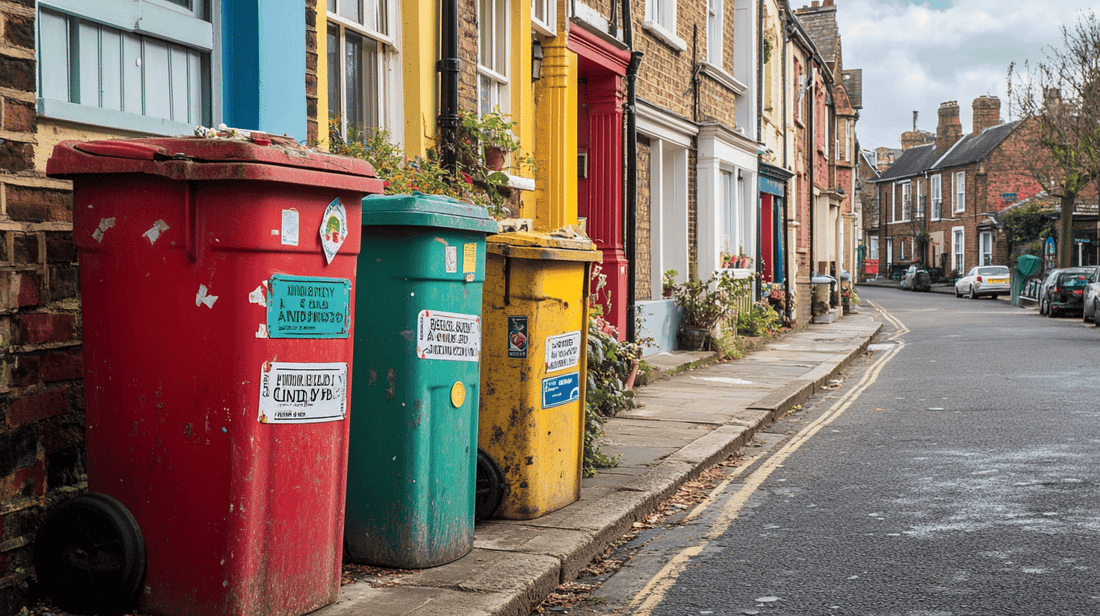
(916, 54)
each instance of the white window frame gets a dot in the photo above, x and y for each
(920, 201)
(889, 251)
(660, 21)
(937, 198)
(985, 248)
(387, 115)
(190, 55)
(960, 192)
(872, 247)
(906, 201)
(494, 36)
(544, 17)
(715, 31)
(958, 249)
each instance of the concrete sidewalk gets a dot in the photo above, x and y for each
(685, 423)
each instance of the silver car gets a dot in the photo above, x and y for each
(1091, 308)
(990, 280)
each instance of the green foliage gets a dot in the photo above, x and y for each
(1026, 224)
(760, 320)
(476, 182)
(705, 303)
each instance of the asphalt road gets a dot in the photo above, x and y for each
(954, 471)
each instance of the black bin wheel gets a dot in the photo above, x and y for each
(89, 555)
(489, 490)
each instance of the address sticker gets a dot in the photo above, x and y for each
(305, 307)
(448, 336)
(563, 351)
(293, 392)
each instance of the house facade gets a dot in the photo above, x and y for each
(939, 200)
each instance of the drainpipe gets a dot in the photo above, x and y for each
(630, 204)
(786, 193)
(812, 99)
(448, 67)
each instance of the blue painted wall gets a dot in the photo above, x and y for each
(264, 66)
(660, 321)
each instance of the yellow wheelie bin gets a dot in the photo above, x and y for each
(534, 342)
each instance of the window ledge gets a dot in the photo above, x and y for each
(520, 183)
(718, 74)
(96, 116)
(665, 35)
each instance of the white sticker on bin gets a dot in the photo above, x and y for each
(563, 351)
(297, 392)
(448, 336)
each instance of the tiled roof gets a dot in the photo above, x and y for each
(972, 148)
(853, 82)
(911, 162)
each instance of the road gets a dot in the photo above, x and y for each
(952, 472)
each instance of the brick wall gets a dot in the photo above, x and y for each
(312, 125)
(41, 390)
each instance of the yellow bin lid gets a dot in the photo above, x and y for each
(527, 245)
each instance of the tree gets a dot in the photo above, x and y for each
(1060, 98)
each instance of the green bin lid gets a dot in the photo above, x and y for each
(420, 210)
(1028, 264)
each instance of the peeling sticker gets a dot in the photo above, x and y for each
(289, 236)
(203, 298)
(262, 331)
(154, 233)
(450, 259)
(303, 392)
(257, 296)
(334, 229)
(104, 224)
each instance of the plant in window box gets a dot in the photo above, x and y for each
(727, 260)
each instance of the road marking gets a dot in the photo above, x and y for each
(657, 588)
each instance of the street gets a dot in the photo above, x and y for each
(950, 473)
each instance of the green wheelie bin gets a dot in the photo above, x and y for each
(414, 404)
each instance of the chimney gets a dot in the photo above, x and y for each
(827, 3)
(949, 130)
(913, 138)
(815, 4)
(987, 112)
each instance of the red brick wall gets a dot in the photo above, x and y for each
(41, 362)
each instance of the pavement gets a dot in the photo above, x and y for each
(695, 413)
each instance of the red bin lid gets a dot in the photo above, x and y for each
(261, 157)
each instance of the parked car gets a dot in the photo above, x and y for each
(1090, 309)
(916, 279)
(1063, 290)
(988, 280)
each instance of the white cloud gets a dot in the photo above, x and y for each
(916, 55)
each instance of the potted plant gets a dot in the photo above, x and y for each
(704, 304)
(668, 284)
(487, 138)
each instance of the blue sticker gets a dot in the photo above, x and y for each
(304, 307)
(559, 390)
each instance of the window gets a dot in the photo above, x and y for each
(492, 55)
(661, 13)
(872, 247)
(714, 31)
(937, 198)
(957, 249)
(906, 202)
(104, 71)
(889, 251)
(960, 191)
(985, 248)
(359, 39)
(544, 16)
(921, 201)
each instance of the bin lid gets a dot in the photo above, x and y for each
(1028, 264)
(530, 245)
(420, 210)
(261, 157)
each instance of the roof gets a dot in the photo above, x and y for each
(973, 148)
(853, 82)
(820, 23)
(867, 161)
(911, 162)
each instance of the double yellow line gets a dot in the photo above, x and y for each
(657, 588)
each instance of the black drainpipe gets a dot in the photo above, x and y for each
(448, 67)
(812, 141)
(630, 204)
(786, 196)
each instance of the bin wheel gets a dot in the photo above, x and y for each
(489, 491)
(89, 555)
